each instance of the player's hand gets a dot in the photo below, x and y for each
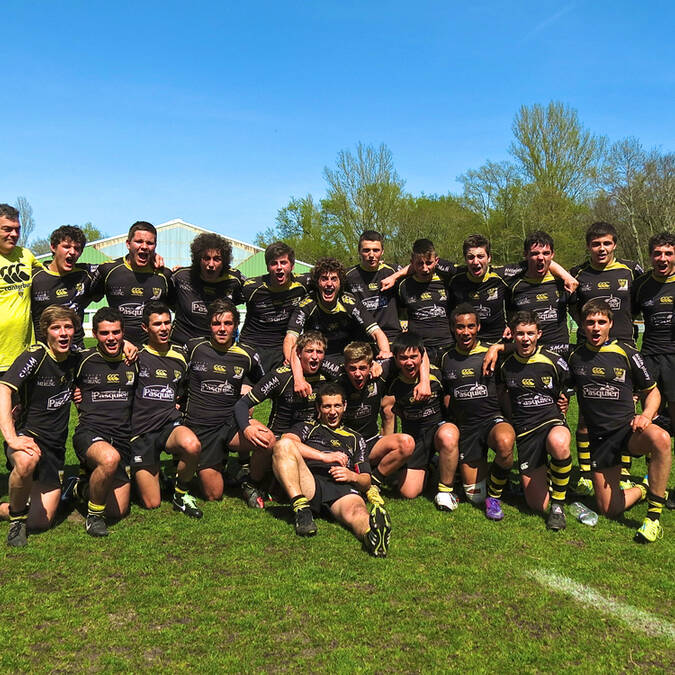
(507, 333)
(571, 284)
(422, 391)
(24, 444)
(341, 474)
(302, 387)
(158, 261)
(490, 359)
(77, 396)
(563, 404)
(259, 435)
(339, 457)
(384, 355)
(640, 423)
(388, 282)
(375, 370)
(130, 352)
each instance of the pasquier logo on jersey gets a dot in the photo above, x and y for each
(104, 396)
(198, 307)
(534, 400)
(59, 400)
(158, 392)
(470, 391)
(601, 391)
(131, 309)
(216, 387)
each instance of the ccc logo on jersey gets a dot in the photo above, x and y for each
(603, 284)
(666, 300)
(113, 377)
(542, 296)
(527, 382)
(136, 291)
(13, 273)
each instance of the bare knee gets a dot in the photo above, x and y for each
(108, 461)
(406, 445)
(25, 466)
(149, 502)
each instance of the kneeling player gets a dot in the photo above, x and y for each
(155, 420)
(606, 373)
(423, 420)
(535, 379)
(101, 439)
(329, 470)
(475, 405)
(36, 444)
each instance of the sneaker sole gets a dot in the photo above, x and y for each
(382, 528)
(196, 516)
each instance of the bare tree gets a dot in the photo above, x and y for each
(26, 219)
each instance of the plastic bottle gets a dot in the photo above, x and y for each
(583, 514)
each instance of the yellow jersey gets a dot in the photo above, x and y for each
(16, 329)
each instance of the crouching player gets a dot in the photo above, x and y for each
(536, 380)
(155, 419)
(36, 445)
(101, 439)
(475, 405)
(328, 470)
(606, 373)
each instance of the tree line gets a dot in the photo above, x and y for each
(560, 178)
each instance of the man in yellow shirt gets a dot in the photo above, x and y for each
(17, 265)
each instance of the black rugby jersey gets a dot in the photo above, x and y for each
(363, 405)
(655, 297)
(348, 320)
(613, 284)
(364, 285)
(193, 295)
(417, 416)
(288, 408)
(161, 378)
(45, 388)
(473, 396)
(606, 378)
(342, 439)
(107, 386)
(268, 309)
(72, 289)
(128, 290)
(215, 377)
(548, 299)
(425, 305)
(534, 384)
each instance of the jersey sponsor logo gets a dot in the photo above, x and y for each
(452, 375)
(136, 290)
(622, 284)
(32, 361)
(471, 391)
(111, 395)
(433, 312)
(639, 362)
(597, 370)
(46, 382)
(335, 443)
(492, 294)
(425, 296)
(661, 319)
(41, 296)
(158, 392)
(268, 386)
(619, 374)
(468, 372)
(199, 366)
(238, 372)
(483, 311)
(61, 292)
(219, 368)
(364, 410)
(601, 391)
(666, 299)
(58, 400)
(161, 373)
(177, 374)
(198, 307)
(604, 284)
(91, 378)
(144, 372)
(550, 314)
(372, 286)
(522, 300)
(536, 400)
(527, 382)
(542, 297)
(216, 387)
(14, 274)
(131, 309)
(113, 377)
(547, 381)
(156, 293)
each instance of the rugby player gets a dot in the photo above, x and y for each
(101, 439)
(537, 380)
(335, 313)
(270, 299)
(207, 279)
(423, 420)
(35, 444)
(131, 281)
(217, 368)
(474, 402)
(606, 373)
(611, 279)
(329, 471)
(156, 420)
(17, 267)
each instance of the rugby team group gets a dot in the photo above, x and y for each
(467, 358)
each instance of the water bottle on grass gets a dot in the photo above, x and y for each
(583, 514)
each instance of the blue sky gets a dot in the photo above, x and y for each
(218, 113)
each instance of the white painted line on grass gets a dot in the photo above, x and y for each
(632, 616)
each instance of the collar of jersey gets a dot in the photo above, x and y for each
(547, 277)
(614, 265)
(474, 350)
(407, 380)
(663, 280)
(525, 359)
(58, 274)
(150, 350)
(591, 348)
(223, 277)
(279, 289)
(338, 428)
(339, 307)
(50, 353)
(380, 265)
(434, 277)
(112, 359)
(218, 348)
(147, 269)
(312, 377)
(479, 280)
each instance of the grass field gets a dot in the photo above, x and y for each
(238, 591)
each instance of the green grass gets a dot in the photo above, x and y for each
(238, 591)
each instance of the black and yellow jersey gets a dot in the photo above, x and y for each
(364, 285)
(107, 386)
(606, 378)
(473, 396)
(347, 320)
(534, 384)
(45, 387)
(16, 276)
(654, 296)
(417, 416)
(72, 289)
(215, 377)
(128, 289)
(342, 439)
(613, 284)
(161, 379)
(548, 299)
(268, 309)
(193, 295)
